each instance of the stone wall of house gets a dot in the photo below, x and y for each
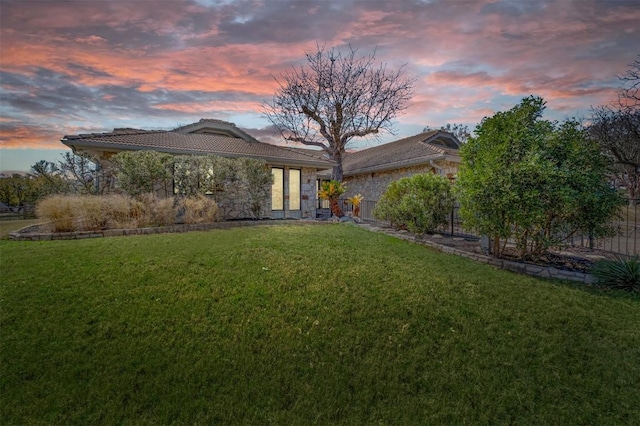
(308, 192)
(373, 185)
(233, 204)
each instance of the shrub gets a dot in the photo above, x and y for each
(419, 203)
(60, 210)
(106, 211)
(618, 272)
(94, 213)
(199, 209)
(122, 209)
(154, 211)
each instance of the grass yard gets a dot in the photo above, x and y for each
(302, 325)
(10, 225)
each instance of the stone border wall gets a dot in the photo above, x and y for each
(521, 268)
(530, 269)
(77, 235)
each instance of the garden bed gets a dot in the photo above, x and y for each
(567, 265)
(43, 232)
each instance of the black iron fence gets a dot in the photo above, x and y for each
(626, 242)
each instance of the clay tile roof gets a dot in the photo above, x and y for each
(193, 143)
(410, 151)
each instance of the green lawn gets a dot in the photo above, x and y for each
(302, 325)
(10, 225)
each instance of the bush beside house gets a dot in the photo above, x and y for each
(419, 203)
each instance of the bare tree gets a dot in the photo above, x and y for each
(338, 96)
(617, 130)
(629, 94)
(80, 171)
(51, 177)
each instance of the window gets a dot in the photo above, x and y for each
(294, 189)
(277, 189)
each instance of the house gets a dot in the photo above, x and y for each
(370, 171)
(294, 187)
(297, 171)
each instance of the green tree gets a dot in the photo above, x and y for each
(533, 181)
(21, 191)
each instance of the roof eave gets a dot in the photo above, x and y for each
(399, 164)
(186, 151)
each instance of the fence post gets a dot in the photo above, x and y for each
(452, 211)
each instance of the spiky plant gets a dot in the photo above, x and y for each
(618, 272)
(356, 200)
(332, 190)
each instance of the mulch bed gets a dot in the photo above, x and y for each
(578, 259)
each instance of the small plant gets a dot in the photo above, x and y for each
(355, 201)
(618, 272)
(332, 190)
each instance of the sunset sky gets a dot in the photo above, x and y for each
(86, 66)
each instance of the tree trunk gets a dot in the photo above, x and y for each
(335, 207)
(337, 169)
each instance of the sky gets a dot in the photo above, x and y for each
(69, 67)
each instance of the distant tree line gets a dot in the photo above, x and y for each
(71, 174)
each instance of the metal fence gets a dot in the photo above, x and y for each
(626, 242)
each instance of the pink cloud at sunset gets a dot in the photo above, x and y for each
(68, 65)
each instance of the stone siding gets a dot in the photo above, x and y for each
(373, 185)
(308, 191)
(231, 203)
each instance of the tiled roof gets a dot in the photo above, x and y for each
(411, 151)
(194, 143)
